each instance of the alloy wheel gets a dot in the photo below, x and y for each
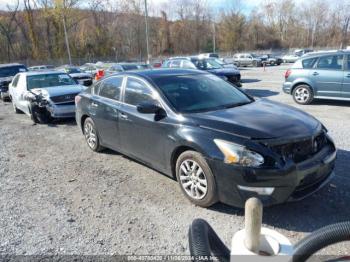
(193, 180)
(90, 135)
(302, 94)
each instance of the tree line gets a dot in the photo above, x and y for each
(115, 29)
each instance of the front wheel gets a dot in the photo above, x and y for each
(303, 95)
(196, 179)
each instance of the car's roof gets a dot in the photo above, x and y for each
(321, 53)
(33, 73)
(12, 64)
(163, 72)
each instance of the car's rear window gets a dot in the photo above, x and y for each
(11, 70)
(309, 63)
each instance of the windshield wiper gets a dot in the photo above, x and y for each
(237, 104)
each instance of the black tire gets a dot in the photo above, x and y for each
(96, 146)
(210, 197)
(303, 94)
(15, 109)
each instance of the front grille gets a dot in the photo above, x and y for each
(307, 187)
(301, 150)
(63, 98)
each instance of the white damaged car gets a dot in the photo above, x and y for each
(50, 91)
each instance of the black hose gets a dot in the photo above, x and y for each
(205, 243)
(320, 239)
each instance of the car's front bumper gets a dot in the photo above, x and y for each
(290, 183)
(62, 110)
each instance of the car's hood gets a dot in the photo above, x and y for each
(230, 65)
(224, 71)
(262, 119)
(59, 90)
(80, 75)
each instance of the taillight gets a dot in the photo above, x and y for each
(77, 99)
(288, 73)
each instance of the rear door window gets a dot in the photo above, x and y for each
(333, 62)
(12, 70)
(110, 88)
(309, 63)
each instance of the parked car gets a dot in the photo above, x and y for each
(41, 68)
(246, 59)
(143, 66)
(58, 90)
(210, 65)
(219, 143)
(208, 55)
(290, 58)
(7, 72)
(270, 59)
(121, 67)
(225, 63)
(301, 52)
(319, 76)
(78, 75)
(90, 68)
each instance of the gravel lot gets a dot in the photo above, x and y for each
(58, 197)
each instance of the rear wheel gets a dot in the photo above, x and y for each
(303, 95)
(196, 179)
(91, 135)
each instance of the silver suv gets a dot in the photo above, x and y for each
(323, 75)
(246, 59)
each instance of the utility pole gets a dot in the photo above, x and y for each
(66, 38)
(146, 22)
(214, 38)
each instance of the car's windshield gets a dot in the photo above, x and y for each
(208, 64)
(49, 80)
(11, 71)
(200, 93)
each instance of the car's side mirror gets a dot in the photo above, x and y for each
(150, 107)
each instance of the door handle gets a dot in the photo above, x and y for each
(315, 74)
(93, 104)
(123, 116)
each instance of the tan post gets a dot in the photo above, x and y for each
(253, 220)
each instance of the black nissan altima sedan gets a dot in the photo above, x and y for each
(219, 143)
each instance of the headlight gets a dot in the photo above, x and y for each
(237, 154)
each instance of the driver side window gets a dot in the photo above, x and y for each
(15, 81)
(137, 92)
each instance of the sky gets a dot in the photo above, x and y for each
(248, 4)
